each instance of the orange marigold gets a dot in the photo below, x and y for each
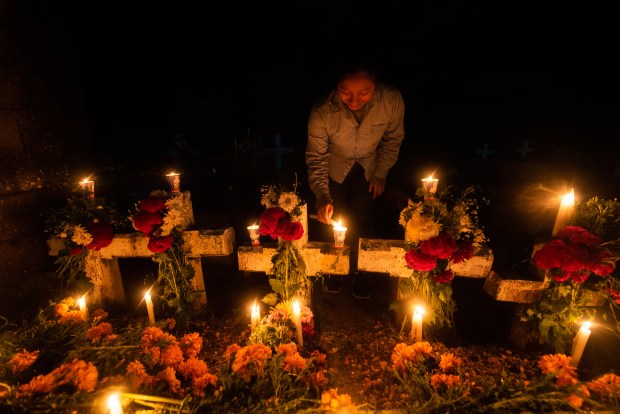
(72, 317)
(99, 315)
(200, 383)
(450, 363)
(40, 384)
(443, 381)
(168, 375)
(250, 360)
(138, 376)
(191, 344)
(231, 351)
(193, 368)
(22, 361)
(605, 386)
(96, 333)
(403, 354)
(559, 365)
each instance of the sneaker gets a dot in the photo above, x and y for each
(361, 289)
(333, 284)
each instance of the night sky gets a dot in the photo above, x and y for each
(188, 82)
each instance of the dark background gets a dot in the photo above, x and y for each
(204, 88)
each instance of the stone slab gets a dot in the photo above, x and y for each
(511, 290)
(388, 256)
(319, 257)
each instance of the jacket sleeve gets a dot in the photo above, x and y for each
(317, 157)
(389, 147)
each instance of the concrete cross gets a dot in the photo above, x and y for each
(485, 150)
(103, 270)
(525, 149)
(278, 150)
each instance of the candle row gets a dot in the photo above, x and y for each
(174, 180)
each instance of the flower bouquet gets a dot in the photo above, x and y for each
(441, 230)
(579, 265)
(162, 217)
(283, 220)
(82, 226)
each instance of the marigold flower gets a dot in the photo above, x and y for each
(605, 386)
(443, 381)
(559, 365)
(250, 361)
(22, 361)
(231, 351)
(191, 344)
(96, 333)
(71, 318)
(100, 314)
(449, 362)
(168, 375)
(138, 376)
(39, 384)
(404, 354)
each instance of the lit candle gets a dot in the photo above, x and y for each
(83, 308)
(114, 404)
(339, 234)
(254, 234)
(174, 179)
(89, 186)
(297, 320)
(255, 315)
(430, 184)
(579, 343)
(149, 307)
(416, 323)
(565, 212)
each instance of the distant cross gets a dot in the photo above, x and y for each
(278, 150)
(525, 149)
(484, 151)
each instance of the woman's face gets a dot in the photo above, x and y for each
(356, 90)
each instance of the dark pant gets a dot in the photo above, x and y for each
(354, 205)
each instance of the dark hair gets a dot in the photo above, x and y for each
(347, 65)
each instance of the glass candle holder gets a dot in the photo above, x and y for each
(430, 184)
(254, 234)
(174, 179)
(339, 234)
(88, 186)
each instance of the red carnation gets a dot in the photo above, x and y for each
(153, 204)
(307, 329)
(578, 235)
(102, 235)
(465, 251)
(159, 244)
(144, 221)
(614, 295)
(444, 277)
(269, 221)
(579, 276)
(289, 230)
(441, 246)
(420, 261)
(562, 276)
(602, 269)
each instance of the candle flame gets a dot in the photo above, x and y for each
(170, 174)
(418, 310)
(569, 198)
(82, 301)
(114, 404)
(586, 325)
(84, 181)
(296, 309)
(147, 295)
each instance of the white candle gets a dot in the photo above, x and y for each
(114, 404)
(83, 308)
(297, 320)
(174, 179)
(255, 315)
(430, 184)
(416, 323)
(254, 234)
(579, 343)
(565, 212)
(88, 185)
(149, 307)
(339, 234)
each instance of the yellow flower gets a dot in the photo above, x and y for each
(288, 201)
(81, 236)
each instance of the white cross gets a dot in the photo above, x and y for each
(525, 149)
(484, 151)
(278, 150)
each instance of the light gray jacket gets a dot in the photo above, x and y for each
(336, 140)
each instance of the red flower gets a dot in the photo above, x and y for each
(562, 276)
(76, 250)
(464, 252)
(153, 204)
(307, 329)
(159, 244)
(442, 246)
(602, 269)
(445, 277)
(102, 235)
(578, 235)
(289, 230)
(579, 276)
(420, 261)
(269, 221)
(614, 295)
(144, 221)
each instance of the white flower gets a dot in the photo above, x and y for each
(288, 201)
(178, 213)
(81, 236)
(421, 228)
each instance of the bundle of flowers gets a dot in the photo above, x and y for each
(82, 225)
(278, 326)
(280, 220)
(162, 217)
(433, 381)
(441, 230)
(579, 266)
(159, 215)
